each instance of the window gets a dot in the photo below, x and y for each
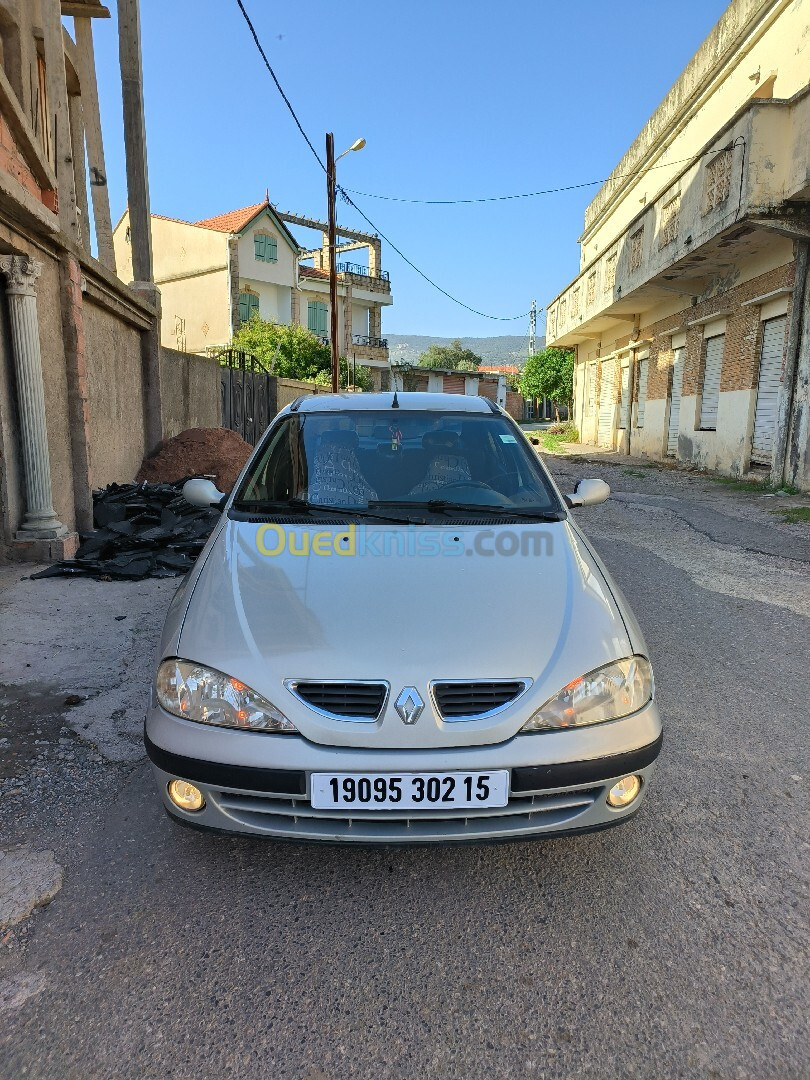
(610, 271)
(636, 248)
(711, 382)
(248, 306)
(330, 458)
(591, 294)
(641, 404)
(718, 180)
(265, 247)
(317, 317)
(669, 221)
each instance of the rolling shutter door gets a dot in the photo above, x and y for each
(624, 420)
(711, 382)
(454, 384)
(770, 377)
(604, 435)
(675, 403)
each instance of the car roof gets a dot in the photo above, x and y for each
(406, 400)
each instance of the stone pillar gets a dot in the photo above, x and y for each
(375, 321)
(40, 521)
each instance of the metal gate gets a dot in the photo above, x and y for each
(675, 402)
(248, 393)
(770, 377)
(607, 404)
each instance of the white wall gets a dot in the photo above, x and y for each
(274, 300)
(283, 272)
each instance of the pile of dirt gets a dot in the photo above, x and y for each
(215, 452)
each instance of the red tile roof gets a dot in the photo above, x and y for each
(313, 271)
(232, 222)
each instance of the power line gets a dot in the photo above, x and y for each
(391, 244)
(430, 281)
(534, 194)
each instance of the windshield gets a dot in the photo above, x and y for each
(358, 460)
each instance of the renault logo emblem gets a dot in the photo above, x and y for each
(409, 705)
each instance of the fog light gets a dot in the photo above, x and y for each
(185, 795)
(623, 793)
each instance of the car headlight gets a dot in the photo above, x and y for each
(610, 692)
(209, 697)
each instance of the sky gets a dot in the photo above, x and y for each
(456, 99)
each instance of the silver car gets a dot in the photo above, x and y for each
(397, 633)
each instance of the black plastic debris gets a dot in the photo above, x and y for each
(142, 530)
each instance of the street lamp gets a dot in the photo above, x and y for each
(331, 191)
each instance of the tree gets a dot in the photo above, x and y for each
(549, 374)
(450, 357)
(292, 352)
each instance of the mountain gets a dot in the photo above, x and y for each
(507, 349)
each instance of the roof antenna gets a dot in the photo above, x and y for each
(395, 402)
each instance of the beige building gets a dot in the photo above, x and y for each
(690, 315)
(216, 273)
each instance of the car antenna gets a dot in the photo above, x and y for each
(395, 402)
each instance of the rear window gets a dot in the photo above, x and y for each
(353, 460)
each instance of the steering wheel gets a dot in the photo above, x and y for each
(488, 483)
(464, 484)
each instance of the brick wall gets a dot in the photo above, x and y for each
(515, 405)
(741, 354)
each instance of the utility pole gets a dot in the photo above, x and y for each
(533, 328)
(331, 184)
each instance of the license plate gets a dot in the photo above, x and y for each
(409, 791)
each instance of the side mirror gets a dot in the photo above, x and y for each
(589, 493)
(201, 492)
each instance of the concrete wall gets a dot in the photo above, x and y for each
(115, 397)
(191, 392)
(289, 389)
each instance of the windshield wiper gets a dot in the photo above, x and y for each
(301, 506)
(441, 506)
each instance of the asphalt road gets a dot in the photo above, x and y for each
(675, 946)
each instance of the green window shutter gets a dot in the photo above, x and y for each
(253, 305)
(259, 246)
(271, 249)
(244, 313)
(312, 316)
(322, 319)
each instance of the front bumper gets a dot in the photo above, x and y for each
(259, 784)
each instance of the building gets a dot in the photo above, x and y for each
(689, 315)
(215, 273)
(479, 383)
(80, 365)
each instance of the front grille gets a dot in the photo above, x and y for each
(295, 817)
(465, 700)
(362, 701)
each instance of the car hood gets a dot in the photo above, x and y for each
(537, 609)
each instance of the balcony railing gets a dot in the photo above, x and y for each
(370, 342)
(361, 271)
